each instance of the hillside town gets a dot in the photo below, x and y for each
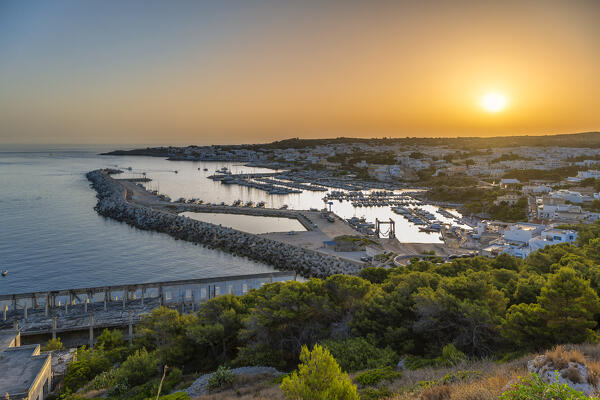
(516, 198)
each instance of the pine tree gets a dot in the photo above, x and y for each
(319, 377)
(569, 305)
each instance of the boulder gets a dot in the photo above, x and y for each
(575, 374)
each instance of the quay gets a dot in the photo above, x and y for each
(78, 315)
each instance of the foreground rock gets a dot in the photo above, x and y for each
(570, 368)
(200, 385)
(308, 263)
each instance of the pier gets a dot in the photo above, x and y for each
(84, 312)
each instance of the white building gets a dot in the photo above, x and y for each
(581, 175)
(559, 211)
(505, 182)
(552, 236)
(536, 189)
(568, 195)
(522, 232)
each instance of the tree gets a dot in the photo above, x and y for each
(374, 274)
(110, 339)
(355, 354)
(525, 325)
(138, 368)
(164, 330)
(285, 316)
(595, 205)
(319, 377)
(569, 305)
(217, 327)
(470, 324)
(592, 249)
(53, 344)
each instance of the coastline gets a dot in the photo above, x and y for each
(308, 263)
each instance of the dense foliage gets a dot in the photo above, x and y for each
(426, 313)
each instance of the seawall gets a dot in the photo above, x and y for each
(308, 263)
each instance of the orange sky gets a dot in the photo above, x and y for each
(77, 72)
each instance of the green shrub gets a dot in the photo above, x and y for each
(319, 377)
(221, 378)
(374, 376)
(175, 396)
(356, 354)
(375, 393)
(53, 344)
(110, 339)
(533, 387)
(174, 377)
(450, 356)
(138, 368)
(88, 364)
(104, 380)
(415, 362)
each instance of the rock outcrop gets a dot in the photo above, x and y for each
(200, 385)
(308, 263)
(573, 372)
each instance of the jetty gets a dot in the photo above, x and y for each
(113, 203)
(78, 315)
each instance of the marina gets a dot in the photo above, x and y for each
(190, 190)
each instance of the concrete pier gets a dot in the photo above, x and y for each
(123, 304)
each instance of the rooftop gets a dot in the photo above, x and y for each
(20, 367)
(7, 338)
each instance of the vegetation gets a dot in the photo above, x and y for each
(374, 376)
(482, 201)
(355, 354)
(426, 314)
(319, 377)
(53, 344)
(221, 378)
(534, 388)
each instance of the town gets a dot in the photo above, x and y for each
(514, 195)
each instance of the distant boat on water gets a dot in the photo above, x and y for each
(5, 272)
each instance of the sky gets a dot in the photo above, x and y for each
(193, 72)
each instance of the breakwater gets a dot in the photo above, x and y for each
(308, 263)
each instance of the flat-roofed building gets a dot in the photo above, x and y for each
(522, 232)
(24, 372)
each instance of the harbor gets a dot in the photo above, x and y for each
(112, 203)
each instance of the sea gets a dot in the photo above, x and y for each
(51, 238)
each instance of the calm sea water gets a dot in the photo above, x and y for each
(51, 238)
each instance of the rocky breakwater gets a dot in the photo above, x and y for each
(308, 263)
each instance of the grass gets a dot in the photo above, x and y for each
(249, 387)
(468, 380)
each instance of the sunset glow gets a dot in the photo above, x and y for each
(493, 102)
(206, 72)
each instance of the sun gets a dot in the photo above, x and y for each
(493, 102)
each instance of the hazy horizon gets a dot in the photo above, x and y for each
(152, 72)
